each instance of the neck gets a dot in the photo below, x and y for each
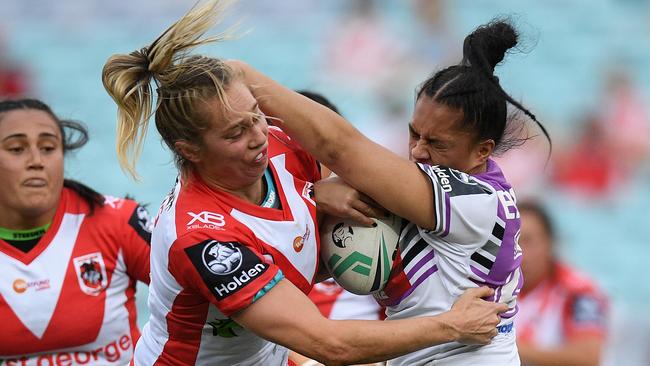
(478, 169)
(25, 221)
(253, 193)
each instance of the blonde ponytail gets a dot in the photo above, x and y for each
(127, 78)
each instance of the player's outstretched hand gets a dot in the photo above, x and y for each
(334, 197)
(475, 319)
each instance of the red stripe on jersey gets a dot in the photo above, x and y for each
(288, 269)
(184, 328)
(325, 298)
(131, 308)
(397, 285)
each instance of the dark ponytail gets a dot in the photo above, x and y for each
(472, 87)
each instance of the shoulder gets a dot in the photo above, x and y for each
(295, 159)
(574, 281)
(454, 182)
(109, 206)
(281, 143)
(194, 212)
(585, 306)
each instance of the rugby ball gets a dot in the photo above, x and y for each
(359, 258)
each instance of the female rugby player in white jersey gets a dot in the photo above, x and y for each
(463, 215)
(235, 244)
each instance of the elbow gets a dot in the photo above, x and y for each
(339, 149)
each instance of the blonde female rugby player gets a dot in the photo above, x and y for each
(235, 244)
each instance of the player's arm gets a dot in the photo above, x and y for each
(395, 183)
(136, 242)
(302, 328)
(336, 198)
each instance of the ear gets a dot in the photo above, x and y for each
(188, 150)
(484, 149)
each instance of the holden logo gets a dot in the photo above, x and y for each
(221, 258)
(342, 234)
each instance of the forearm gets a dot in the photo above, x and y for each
(303, 329)
(367, 342)
(317, 128)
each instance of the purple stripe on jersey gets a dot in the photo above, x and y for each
(497, 293)
(505, 263)
(510, 313)
(483, 276)
(427, 258)
(447, 215)
(417, 282)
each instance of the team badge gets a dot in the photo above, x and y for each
(91, 273)
(221, 258)
(141, 223)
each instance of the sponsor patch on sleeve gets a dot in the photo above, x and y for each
(141, 223)
(225, 267)
(587, 310)
(454, 182)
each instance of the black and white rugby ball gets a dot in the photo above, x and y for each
(359, 258)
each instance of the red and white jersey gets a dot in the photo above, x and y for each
(70, 300)
(214, 253)
(560, 308)
(334, 302)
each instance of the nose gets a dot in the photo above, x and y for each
(35, 158)
(419, 151)
(260, 134)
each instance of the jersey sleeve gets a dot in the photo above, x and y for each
(228, 273)
(585, 312)
(136, 242)
(465, 210)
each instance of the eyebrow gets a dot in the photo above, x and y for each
(22, 136)
(429, 140)
(237, 123)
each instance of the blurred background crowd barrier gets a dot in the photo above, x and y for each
(583, 70)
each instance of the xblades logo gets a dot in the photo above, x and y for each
(206, 220)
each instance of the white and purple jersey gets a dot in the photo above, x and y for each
(474, 243)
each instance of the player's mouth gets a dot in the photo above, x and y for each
(261, 156)
(35, 183)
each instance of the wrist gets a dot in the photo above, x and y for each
(449, 326)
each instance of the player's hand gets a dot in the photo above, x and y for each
(475, 319)
(335, 197)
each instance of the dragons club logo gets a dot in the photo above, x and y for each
(91, 273)
(221, 258)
